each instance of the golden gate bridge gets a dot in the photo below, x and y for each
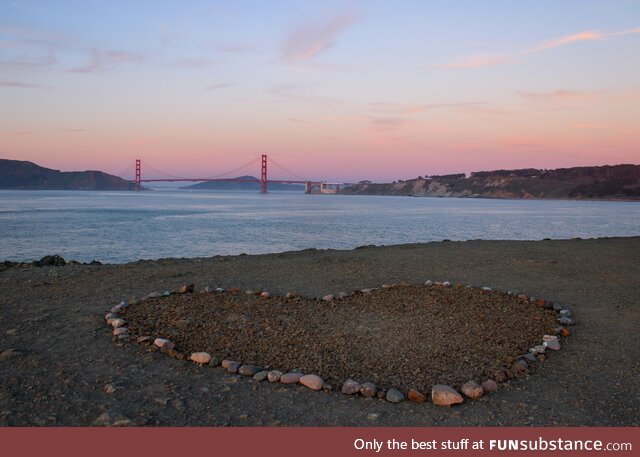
(310, 186)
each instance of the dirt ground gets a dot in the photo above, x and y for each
(65, 369)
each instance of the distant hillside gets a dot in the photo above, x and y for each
(19, 174)
(221, 185)
(605, 182)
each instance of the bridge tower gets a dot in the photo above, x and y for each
(263, 175)
(138, 185)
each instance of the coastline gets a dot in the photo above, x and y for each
(53, 316)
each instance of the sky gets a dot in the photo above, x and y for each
(332, 90)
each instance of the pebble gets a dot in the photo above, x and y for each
(442, 395)
(564, 313)
(274, 375)
(248, 370)
(110, 316)
(428, 283)
(366, 291)
(395, 396)
(145, 340)
(351, 387)
(312, 381)
(489, 386)
(155, 295)
(265, 294)
(387, 286)
(472, 389)
(523, 297)
(260, 376)
(115, 323)
(553, 345)
(117, 308)
(219, 289)
(520, 367)
(290, 378)
(368, 389)
(290, 295)
(200, 357)
(538, 349)
(328, 297)
(231, 366)
(488, 289)
(249, 292)
(162, 343)
(530, 358)
(120, 331)
(342, 295)
(446, 284)
(186, 288)
(110, 388)
(373, 416)
(549, 338)
(564, 331)
(566, 320)
(416, 396)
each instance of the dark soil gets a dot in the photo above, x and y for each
(403, 337)
(54, 318)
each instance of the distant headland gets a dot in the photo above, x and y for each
(608, 182)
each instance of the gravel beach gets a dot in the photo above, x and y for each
(60, 367)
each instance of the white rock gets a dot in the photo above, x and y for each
(200, 357)
(115, 323)
(265, 294)
(312, 381)
(328, 297)
(488, 289)
(446, 284)
(428, 283)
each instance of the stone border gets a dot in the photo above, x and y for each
(441, 394)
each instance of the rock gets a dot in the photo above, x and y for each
(219, 289)
(117, 308)
(110, 388)
(395, 396)
(373, 416)
(541, 302)
(328, 297)
(381, 394)
(312, 381)
(530, 358)
(265, 294)
(549, 338)
(557, 307)
(145, 340)
(274, 375)
(520, 367)
(249, 292)
(121, 422)
(290, 378)
(486, 289)
(472, 389)
(290, 295)
(442, 395)
(186, 288)
(156, 294)
(231, 366)
(248, 370)
(102, 420)
(428, 283)
(564, 313)
(564, 331)
(50, 261)
(500, 376)
(200, 357)
(120, 331)
(366, 291)
(489, 386)
(523, 297)
(110, 316)
(351, 387)
(260, 376)
(553, 345)
(115, 323)
(415, 396)
(368, 389)
(387, 286)
(342, 295)
(538, 349)
(163, 343)
(446, 284)
(566, 320)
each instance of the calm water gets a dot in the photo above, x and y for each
(124, 226)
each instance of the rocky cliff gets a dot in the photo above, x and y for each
(603, 182)
(18, 174)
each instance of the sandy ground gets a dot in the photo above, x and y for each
(53, 317)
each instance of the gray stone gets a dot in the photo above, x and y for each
(248, 370)
(489, 386)
(564, 313)
(553, 345)
(232, 367)
(260, 376)
(351, 387)
(568, 321)
(274, 375)
(530, 358)
(368, 389)
(395, 396)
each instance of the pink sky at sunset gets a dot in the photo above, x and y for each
(332, 90)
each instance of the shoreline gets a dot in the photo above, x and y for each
(64, 356)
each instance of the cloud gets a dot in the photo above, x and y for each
(21, 63)
(559, 96)
(217, 86)
(593, 35)
(384, 124)
(20, 85)
(197, 62)
(105, 59)
(413, 109)
(310, 40)
(291, 92)
(478, 61)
